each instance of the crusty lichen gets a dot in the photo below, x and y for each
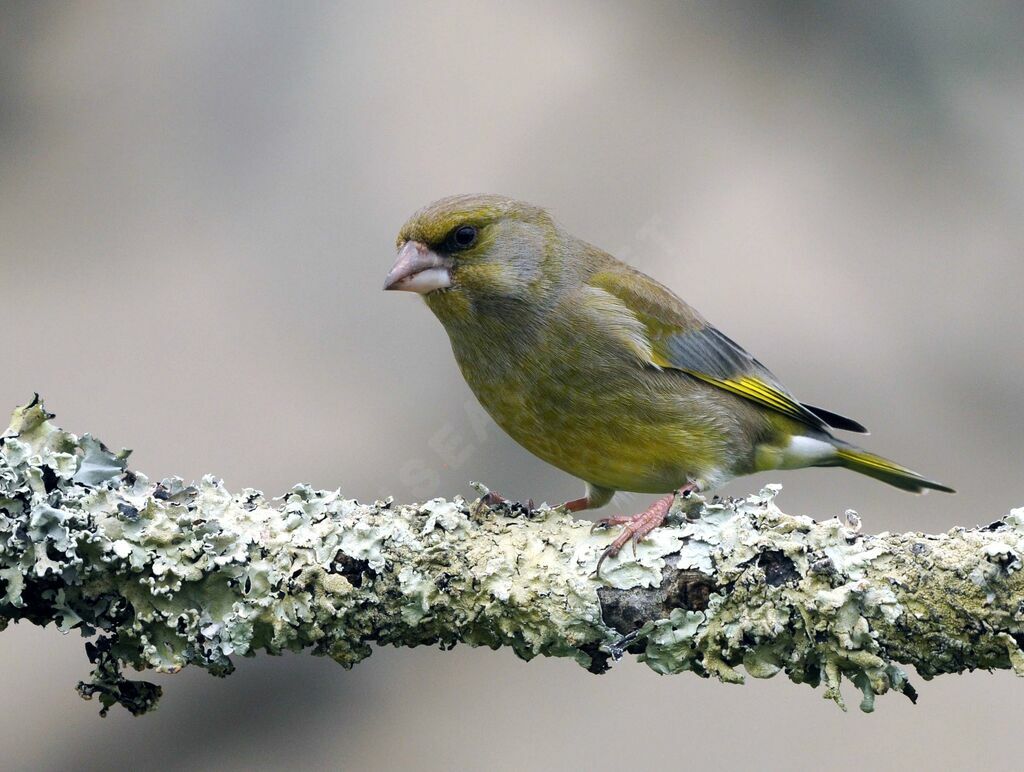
(164, 575)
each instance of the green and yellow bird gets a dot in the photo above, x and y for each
(603, 372)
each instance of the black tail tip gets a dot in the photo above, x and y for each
(837, 421)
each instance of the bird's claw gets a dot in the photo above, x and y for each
(634, 529)
(608, 522)
(637, 527)
(492, 500)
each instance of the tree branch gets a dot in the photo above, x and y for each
(164, 575)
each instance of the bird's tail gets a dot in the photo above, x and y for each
(860, 460)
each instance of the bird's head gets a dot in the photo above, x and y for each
(475, 254)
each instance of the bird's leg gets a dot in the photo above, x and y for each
(638, 526)
(596, 498)
(577, 505)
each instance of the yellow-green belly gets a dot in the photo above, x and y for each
(621, 428)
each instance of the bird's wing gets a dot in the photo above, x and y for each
(680, 339)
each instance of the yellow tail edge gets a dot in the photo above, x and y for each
(887, 471)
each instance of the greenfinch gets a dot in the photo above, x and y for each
(602, 371)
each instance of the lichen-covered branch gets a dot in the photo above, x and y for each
(164, 575)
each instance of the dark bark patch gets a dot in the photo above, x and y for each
(778, 569)
(598, 658)
(50, 479)
(127, 512)
(628, 610)
(910, 692)
(351, 568)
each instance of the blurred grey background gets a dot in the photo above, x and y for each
(198, 202)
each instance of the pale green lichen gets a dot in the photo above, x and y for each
(165, 575)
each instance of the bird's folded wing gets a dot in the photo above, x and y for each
(680, 339)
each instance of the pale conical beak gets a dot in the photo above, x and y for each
(418, 269)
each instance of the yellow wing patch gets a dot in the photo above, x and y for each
(680, 339)
(756, 390)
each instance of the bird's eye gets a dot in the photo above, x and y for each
(463, 237)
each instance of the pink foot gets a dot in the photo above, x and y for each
(638, 526)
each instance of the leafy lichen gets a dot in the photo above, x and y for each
(163, 575)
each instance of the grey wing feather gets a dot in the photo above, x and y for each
(711, 355)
